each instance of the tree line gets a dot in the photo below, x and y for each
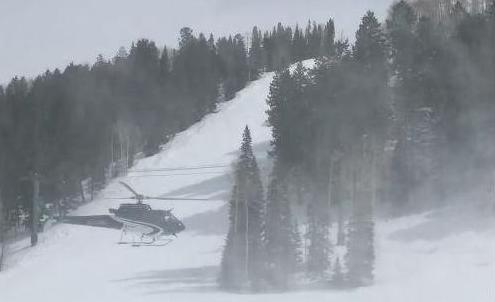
(401, 121)
(87, 122)
(78, 127)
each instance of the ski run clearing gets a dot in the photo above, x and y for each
(453, 263)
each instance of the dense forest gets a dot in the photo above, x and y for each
(75, 129)
(401, 121)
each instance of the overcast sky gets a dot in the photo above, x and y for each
(36, 35)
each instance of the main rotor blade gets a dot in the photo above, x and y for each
(130, 189)
(177, 198)
(102, 221)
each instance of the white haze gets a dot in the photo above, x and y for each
(38, 35)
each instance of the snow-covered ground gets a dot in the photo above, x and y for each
(455, 263)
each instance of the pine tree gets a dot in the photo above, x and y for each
(342, 49)
(145, 61)
(369, 49)
(232, 276)
(314, 36)
(282, 240)
(277, 100)
(234, 67)
(255, 54)
(400, 26)
(418, 58)
(186, 37)
(360, 257)
(327, 48)
(288, 104)
(211, 43)
(299, 45)
(164, 65)
(290, 116)
(242, 262)
(369, 89)
(318, 257)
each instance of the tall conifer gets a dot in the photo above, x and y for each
(242, 263)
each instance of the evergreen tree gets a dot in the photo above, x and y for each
(164, 65)
(370, 86)
(232, 274)
(144, 59)
(299, 46)
(314, 34)
(235, 68)
(268, 49)
(369, 49)
(255, 54)
(288, 105)
(289, 115)
(242, 263)
(283, 40)
(342, 49)
(281, 238)
(211, 43)
(328, 40)
(186, 37)
(360, 255)
(319, 249)
(277, 98)
(401, 25)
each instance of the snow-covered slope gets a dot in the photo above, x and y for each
(79, 264)
(75, 263)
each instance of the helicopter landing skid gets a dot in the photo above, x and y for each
(145, 241)
(156, 243)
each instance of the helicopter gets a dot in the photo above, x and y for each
(154, 227)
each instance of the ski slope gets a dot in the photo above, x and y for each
(456, 263)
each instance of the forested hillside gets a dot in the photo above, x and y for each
(77, 128)
(402, 121)
(356, 169)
